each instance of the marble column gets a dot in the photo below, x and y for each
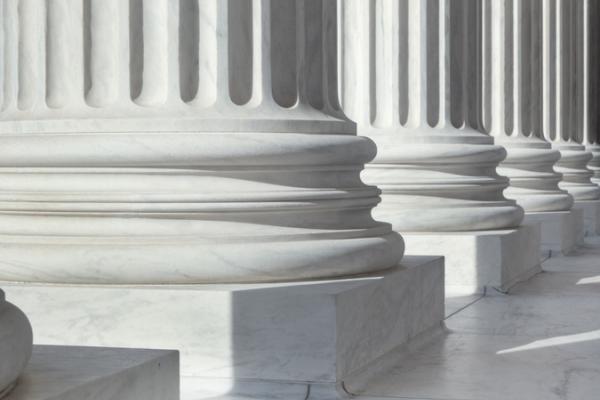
(594, 164)
(568, 71)
(16, 343)
(514, 106)
(163, 142)
(564, 70)
(436, 170)
(591, 81)
(152, 150)
(413, 82)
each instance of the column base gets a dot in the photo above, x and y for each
(560, 230)
(309, 332)
(591, 215)
(479, 260)
(4, 392)
(85, 373)
(16, 341)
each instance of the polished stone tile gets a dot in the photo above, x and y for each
(524, 315)
(486, 367)
(215, 389)
(296, 331)
(588, 262)
(554, 283)
(455, 303)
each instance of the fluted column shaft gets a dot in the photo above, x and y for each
(165, 65)
(413, 87)
(180, 141)
(513, 109)
(591, 80)
(566, 73)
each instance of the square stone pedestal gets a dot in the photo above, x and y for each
(254, 335)
(560, 230)
(591, 215)
(479, 260)
(87, 373)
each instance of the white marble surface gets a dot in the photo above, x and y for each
(15, 344)
(559, 230)
(311, 331)
(540, 342)
(155, 72)
(512, 49)
(528, 345)
(85, 373)
(136, 138)
(591, 215)
(575, 262)
(474, 367)
(594, 164)
(480, 259)
(437, 171)
(456, 301)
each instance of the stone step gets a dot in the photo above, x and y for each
(94, 373)
(316, 332)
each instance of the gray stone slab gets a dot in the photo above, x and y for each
(92, 373)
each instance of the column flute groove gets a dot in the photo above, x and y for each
(514, 123)
(590, 77)
(436, 170)
(568, 136)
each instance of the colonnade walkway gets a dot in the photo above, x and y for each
(540, 341)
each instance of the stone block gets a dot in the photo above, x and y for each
(559, 230)
(591, 215)
(315, 332)
(479, 260)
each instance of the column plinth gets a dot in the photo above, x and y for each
(181, 149)
(16, 342)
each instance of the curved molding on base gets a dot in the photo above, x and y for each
(16, 342)
(534, 183)
(178, 208)
(576, 176)
(594, 164)
(430, 185)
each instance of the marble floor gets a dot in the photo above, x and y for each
(541, 341)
